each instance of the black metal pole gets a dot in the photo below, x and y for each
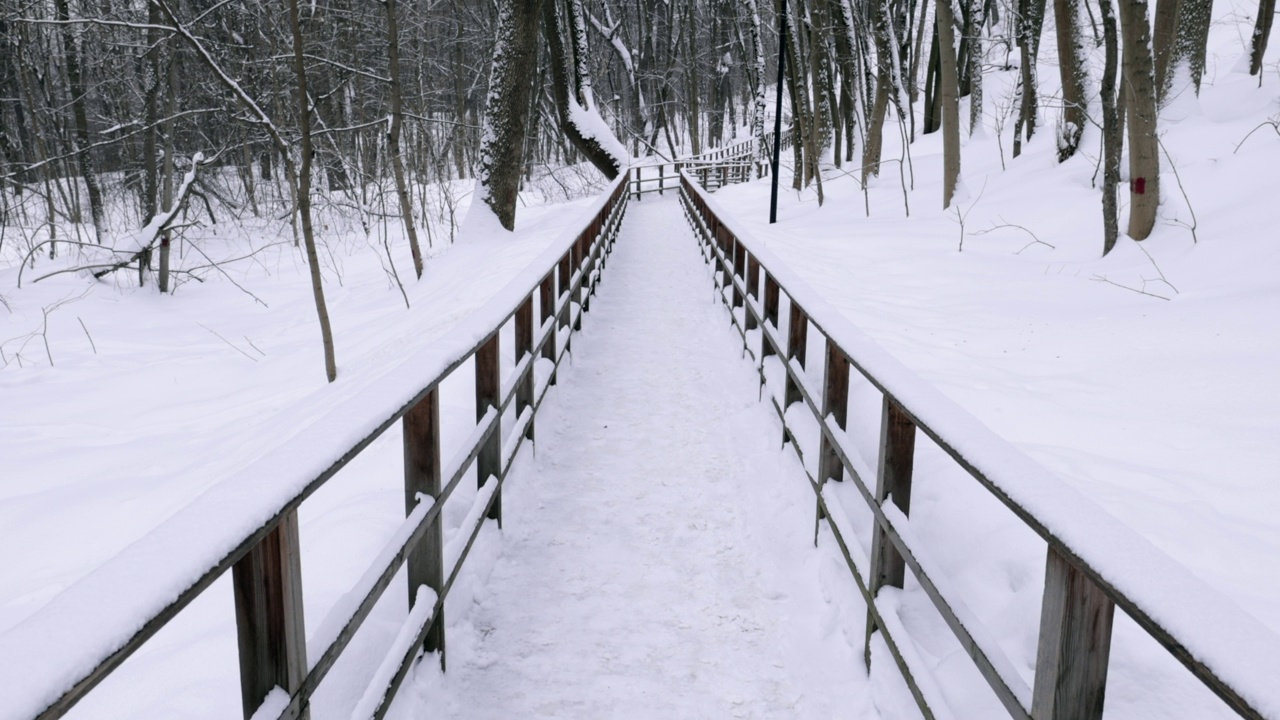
(777, 113)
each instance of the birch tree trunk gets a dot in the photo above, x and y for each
(758, 95)
(1144, 157)
(977, 16)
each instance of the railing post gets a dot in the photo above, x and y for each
(770, 309)
(524, 346)
(425, 563)
(270, 631)
(739, 269)
(488, 389)
(753, 288)
(797, 339)
(547, 303)
(661, 179)
(893, 479)
(638, 174)
(564, 280)
(1075, 644)
(835, 402)
(583, 260)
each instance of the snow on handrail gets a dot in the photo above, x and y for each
(59, 653)
(1230, 651)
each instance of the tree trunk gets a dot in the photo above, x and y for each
(949, 92)
(1162, 40)
(393, 135)
(1261, 33)
(84, 156)
(510, 82)
(1193, 37)
(1112, 137)
(758, 94)
(976, 17)
(1144, 158)
(1071, 66)
(1030, 24)
(304, 191)
(571, 84)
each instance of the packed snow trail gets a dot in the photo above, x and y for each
(657, 557)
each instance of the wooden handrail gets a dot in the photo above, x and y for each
(1094, 563)
(266, 573)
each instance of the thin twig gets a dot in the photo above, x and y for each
(1100, 278)
(233, 345)
(86, 334)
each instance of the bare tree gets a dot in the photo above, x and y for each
(1075, 76)
(1261, 33)
(1144, 158)
(949, 91)
(304, 190)
(510, 83)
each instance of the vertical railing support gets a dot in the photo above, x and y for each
(662, 179)
(739, 269)
(770, 309)
(1075, 644)
(488, 389)
(270, 631)
(797, 342)
(835, 403)
(425, 562)
(524, 346)
(897, 456)
(753, 288)
(547, 305)
(564, 280)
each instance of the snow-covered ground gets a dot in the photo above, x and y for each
(177, 393)
(657, 556)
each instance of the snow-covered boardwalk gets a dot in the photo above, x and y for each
(657, 557)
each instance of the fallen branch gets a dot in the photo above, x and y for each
(159, 224)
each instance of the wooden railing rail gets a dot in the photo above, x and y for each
(83, 635)
(1094, 563)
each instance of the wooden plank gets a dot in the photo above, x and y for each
(893, 479)
(835, 402)
(524, 346)
(797, 340)
(488, 394)
(547, 305)
(1075, 644)
(422, 476)
(272, 638)
(753, 286)
(739, 267)
(770, 307)
(564, 280)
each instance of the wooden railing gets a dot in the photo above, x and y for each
(1094, 563)
(265, 563)
(735, 163)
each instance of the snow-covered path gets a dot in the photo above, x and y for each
(657, 557)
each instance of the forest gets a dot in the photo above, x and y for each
(129, 128)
